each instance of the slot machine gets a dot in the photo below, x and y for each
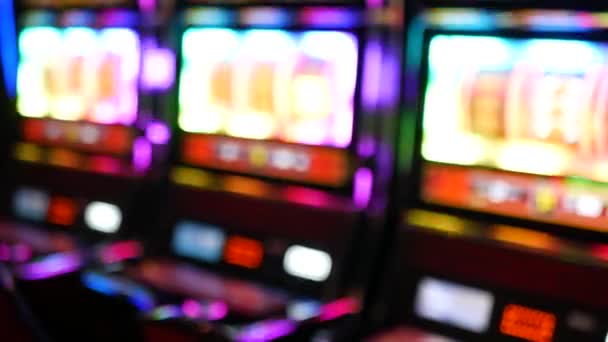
(90, 141)
(504, 235)
(279, 171)
(88, 157)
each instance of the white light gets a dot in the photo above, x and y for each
(461, 306)
(307, 263)
(103, 217)
(499, 192)
(589, 206)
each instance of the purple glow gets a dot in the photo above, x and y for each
(338, 308)
(366, 147)
(158, 69)
(5, 252)
(334, 17)
(158, 133)
(213, 311)
(372, 74)
(147, 5)
(50, 266)
(22, 252)
(374, 3)
(364, 179)
(267, 331)
(142, 154)
(120, 251)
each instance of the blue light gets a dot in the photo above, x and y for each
(8, 46)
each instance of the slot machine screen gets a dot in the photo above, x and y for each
(517, 127)
(291, 90)
(79, 74)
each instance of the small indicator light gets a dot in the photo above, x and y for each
(307, 263)
(243, 252)
(62, 211)
(103, 217)
(527, 323)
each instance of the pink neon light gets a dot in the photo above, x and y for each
(339, 308)
(217, 311)
(158, 69)
(142, 154)
(120, 251)
(364, 179)
(158, 133)
(147, 5)
(192, 309)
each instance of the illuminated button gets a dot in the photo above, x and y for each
(62, 211)
(282, 159)
(498, 192)
(307, 263)
(454, 304)
(258, 156)
(199, 241)
(545, 200)
(243, 252)
(90, 134)
(589, 206)
(302, 162)
(527, 323)
(228, 151)
(31, 204)
(103, 217)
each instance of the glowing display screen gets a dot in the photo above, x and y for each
(526, 105)
(515, 111)
(295, 87)
(79, 74)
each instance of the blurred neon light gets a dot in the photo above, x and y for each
(79, 74)
(165, 312)
(197, 240)
(339, 308)
(158, 133)
(269, 84)
(8, 52)
(103, 217)
(120, 251)
(158, 71)
(266, 331)
(112, 286)
(212, 311)
(307, 263)
(142, 154)
(50, 266)
(363, 187)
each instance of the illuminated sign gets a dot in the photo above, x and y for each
(103, 217)
(454, 304)
(527, 323)
(245, 252)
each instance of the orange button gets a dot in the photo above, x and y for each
(243, 252)
(527, 323)
(62, 211)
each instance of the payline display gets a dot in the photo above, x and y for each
(517, 127)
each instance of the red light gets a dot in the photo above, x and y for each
(243, 252)
(527, 323)
(62, 211)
